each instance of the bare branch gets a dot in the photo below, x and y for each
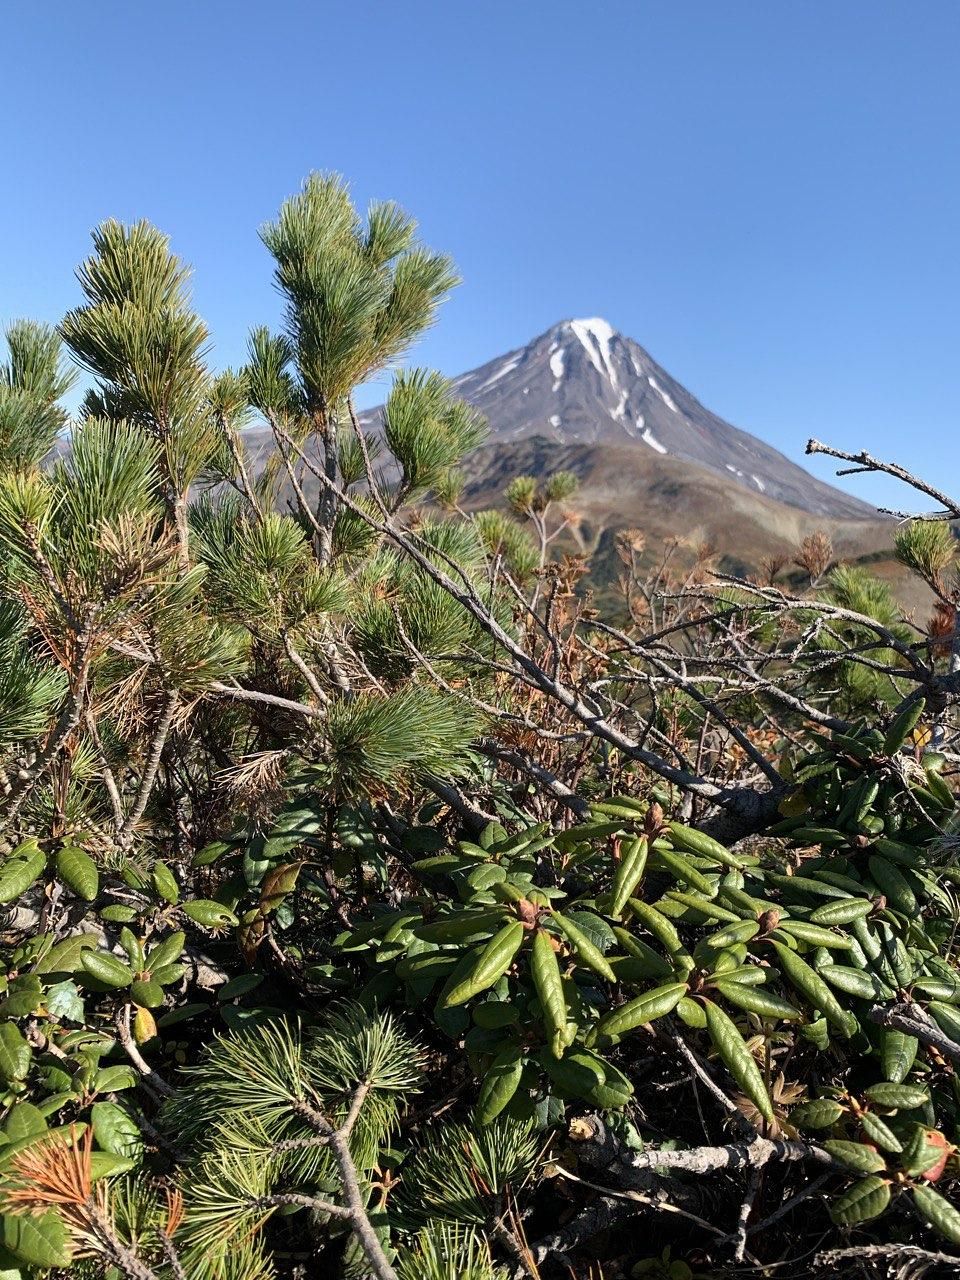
(866, 462)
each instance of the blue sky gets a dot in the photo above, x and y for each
(765, 194)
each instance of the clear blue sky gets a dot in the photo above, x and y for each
(765, 193)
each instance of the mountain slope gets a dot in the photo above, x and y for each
(583, 383)
(649, 457)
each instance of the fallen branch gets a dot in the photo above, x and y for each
(830, 1257)
(741, 1155)
(701, 1073)
(604, 1213)
(788, 1206)
(743, 1217)
(914, 1021)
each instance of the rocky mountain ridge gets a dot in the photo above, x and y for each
(582, 383)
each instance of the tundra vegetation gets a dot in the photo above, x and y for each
(373, 905)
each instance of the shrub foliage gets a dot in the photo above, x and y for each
(374, 902)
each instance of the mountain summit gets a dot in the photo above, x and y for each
(582, 383)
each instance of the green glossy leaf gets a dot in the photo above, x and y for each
(500, 1083)
(863, 1201)
(895, 1097)
(898, 1052)
(164, 882)
(103, 1164)
(183, 1014)
(149, 994)
(816, 936)
(586, 950)
(855, 982)
(63, 1001)
(545, 971)
(692, 1013)
(629, 873)
(15, 1053)
(879, 1132)
(738, 1059)
(24, 1121)
(842, 912)
(809, 983)
(682, 869)
(893, 884)
(903, 725)
(212, 915)
(115, 1130)
(938, 1211)
(575, 1075)
(38, 1240)
(18, 874)
(241, 985)
(855, 1156)
(107, 969)
(490, 963)
(113, 1079)
(615, 1091)
(167, 951)
(919, 1153)
(656, 922)
(493, 1015)
(118, 914)
(704, 846)
(646, 1008)
(754, 1000)
(818, 1113)
(65, 956)
(78, 870)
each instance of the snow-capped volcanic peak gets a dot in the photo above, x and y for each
(596, 336)
(583, 383)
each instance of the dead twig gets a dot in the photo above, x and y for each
(914, 1021)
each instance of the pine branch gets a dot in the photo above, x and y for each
(236, 453)
(746, 808)
(113, 1246)
(67, 722)
(106, 773)
(338, 1140)
(172, 1257)
(553, 785)
(267, 699)
(298, 661)
(304, 1201)
(327, 503)
(889, 1253)
(151, 767)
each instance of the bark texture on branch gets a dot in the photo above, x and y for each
(915, 1021)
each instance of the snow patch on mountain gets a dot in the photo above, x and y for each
(556, 367)
(596, 335)
(667, 400)
(501, 373)
(649, 438)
